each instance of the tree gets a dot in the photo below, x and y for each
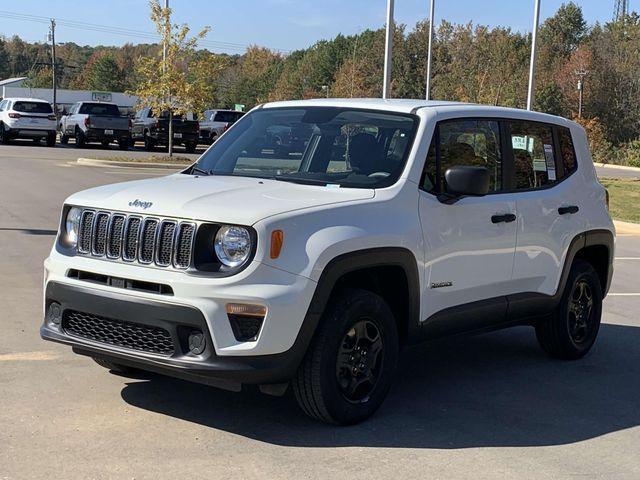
(101, 72)
(165, 84)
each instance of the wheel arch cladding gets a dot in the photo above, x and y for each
(391, 273)
(595, 247)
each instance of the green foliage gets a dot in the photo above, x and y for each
(629, 154)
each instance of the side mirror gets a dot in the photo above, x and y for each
(464, 180)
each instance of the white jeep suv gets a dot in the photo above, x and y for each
(27, 118)
(316, 238)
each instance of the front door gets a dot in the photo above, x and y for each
(470, 244)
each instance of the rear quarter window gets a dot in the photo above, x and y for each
(567, 151)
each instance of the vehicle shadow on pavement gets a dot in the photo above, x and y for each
(491, 390)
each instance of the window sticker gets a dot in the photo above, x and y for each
(551, 162)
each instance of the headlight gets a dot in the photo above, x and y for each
(72, 224)
(232, 245)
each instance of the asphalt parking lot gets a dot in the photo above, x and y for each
(483, 407)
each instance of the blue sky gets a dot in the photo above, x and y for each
(279, 24)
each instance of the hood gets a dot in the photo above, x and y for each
(236, 200)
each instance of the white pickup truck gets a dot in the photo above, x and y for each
(96, 122)
(216, 122)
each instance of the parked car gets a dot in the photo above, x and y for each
(400, 221)
(99, 122)
(216, 122)
(27, 118)
(154, 131)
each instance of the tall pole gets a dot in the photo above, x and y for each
(429, 55)
(54, 67)
(580, 74)
(164, 71)
(164, 44)
(532, 66)
(388, 52)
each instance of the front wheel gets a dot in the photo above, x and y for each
(64, 139)
(349, 367)
(572, 329)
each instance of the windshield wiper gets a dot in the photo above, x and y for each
(199, 170)
(307, 181)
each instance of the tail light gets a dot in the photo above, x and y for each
(130, 123)
(87, 122)
(14, 115)
(198, 126)
(51, 117)
(226, 127)
(157, 125)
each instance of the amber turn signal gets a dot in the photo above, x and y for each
(246, 309)
(277, 240)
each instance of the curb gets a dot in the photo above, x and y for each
(619, 167)
(627, 227)
(96, 162)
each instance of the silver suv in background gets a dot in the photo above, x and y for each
(215, 122)
(27, 118)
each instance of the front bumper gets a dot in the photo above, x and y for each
(207, 367)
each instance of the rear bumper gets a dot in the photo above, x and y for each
(29, 132)
(228, 372)
(99, 135)
(162, 138)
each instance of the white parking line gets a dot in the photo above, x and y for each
(623, 294)
(627, 258)
(29, 356)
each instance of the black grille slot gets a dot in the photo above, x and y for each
(86, 228)
(184, 246)
(100, 234)
(165, 247)
(131, 238)
(114, 242)
(120, 333)
(148, 240)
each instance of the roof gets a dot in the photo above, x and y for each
(413, 105)
(9, 81)
(25, 99)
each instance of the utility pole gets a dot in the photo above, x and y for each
(431, 10)
(52, 37)
(164, 71)
(581, 74)
(388, 51)
(532, 66)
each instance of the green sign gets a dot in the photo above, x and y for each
(239, 107)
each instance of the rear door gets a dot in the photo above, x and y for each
(548, 202)
(470, 244)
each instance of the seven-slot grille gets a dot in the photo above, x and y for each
(133, 238)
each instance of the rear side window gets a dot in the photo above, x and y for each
(567, 151)
(533, 155)
(227, 117)
(463, 142)
(32, 107)
(99, 109)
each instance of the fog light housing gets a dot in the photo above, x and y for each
(246, 320)
(197, 342)
(54, 313)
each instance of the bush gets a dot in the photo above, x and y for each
(629, 154)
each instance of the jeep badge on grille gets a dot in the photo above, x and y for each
(140, 204)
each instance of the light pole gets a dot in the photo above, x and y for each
(581, 74)
(532, 66)
(325, 88)
(431, 10)
(388, 52)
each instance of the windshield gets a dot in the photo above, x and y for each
(99, 109)
(32, 107)
(317, 145)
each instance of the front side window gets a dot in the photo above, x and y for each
(533, 155)
(32, 107)
(318, 145)
(465, 142)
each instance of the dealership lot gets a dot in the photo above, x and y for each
(490, 406)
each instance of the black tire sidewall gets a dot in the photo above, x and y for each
(351, 307)
(580, 271)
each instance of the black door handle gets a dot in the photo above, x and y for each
(506, 218)
(570, 209)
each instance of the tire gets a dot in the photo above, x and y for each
(105, 143)
(124, 144)
(572, 329)
(190, 147)
(149, 143)
(51, 140)
(64, 139)
(3, 135)
(325, 385)
(114, 367)
(80, 139)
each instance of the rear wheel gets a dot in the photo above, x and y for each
(51, 140)
(105, 143)
(80, 139)
(3, 134)
(115, 367)
(123, 144)
(571, 331)
(149, 143)
(349, 367)
(190, 147)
